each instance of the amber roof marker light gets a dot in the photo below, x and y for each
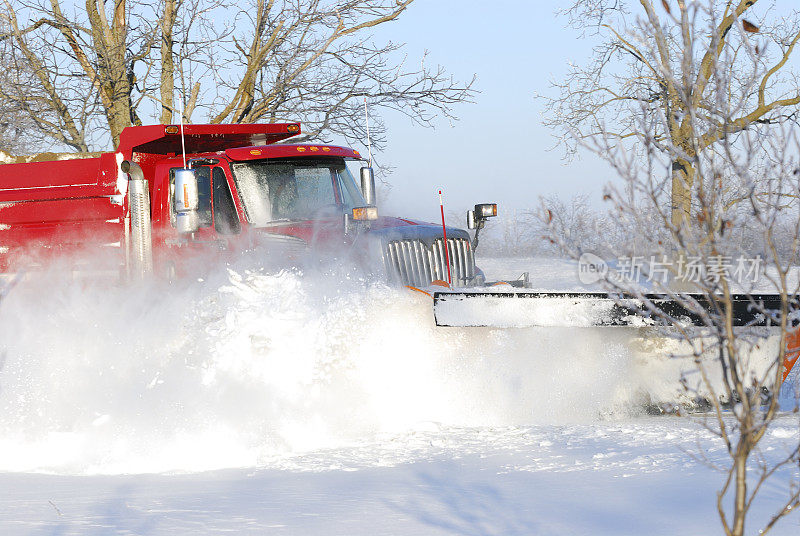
(365, 213)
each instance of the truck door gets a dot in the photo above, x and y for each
(216, 211)
(225, 218)
(219, 226)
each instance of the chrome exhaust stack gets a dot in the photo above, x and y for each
(141, 239)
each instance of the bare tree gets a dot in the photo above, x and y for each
(110, 65)
(15, 127)
(12, 132)
(577, 223)
(734, 365)
(648, 63)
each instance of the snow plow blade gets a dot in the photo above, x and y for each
(584, 309)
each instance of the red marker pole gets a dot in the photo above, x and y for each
(446, 250)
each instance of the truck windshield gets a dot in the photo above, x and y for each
(295, 189)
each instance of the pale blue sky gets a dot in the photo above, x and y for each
(498, 151)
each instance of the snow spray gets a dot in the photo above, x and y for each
(246, 365)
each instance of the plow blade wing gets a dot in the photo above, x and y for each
(585, 309)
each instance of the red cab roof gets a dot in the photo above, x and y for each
(286, 151)
(166, 139)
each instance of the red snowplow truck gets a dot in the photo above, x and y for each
(171, 194)
(175, 196)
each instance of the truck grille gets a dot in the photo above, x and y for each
(414, 263)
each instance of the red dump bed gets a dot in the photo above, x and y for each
(57, 206)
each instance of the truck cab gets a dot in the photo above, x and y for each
(248, 189)
(300, 196)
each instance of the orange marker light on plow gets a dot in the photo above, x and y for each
(792, 352)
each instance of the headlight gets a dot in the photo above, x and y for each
(486, 210)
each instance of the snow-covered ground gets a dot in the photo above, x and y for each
(321, 404)
(628, 476)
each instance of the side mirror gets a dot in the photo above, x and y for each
(368, 186)
(471, 224)
(186, 201)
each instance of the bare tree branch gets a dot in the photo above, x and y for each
(266, 60)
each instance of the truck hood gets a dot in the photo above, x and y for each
(384, 229)
(388, 229)
(386, 222)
